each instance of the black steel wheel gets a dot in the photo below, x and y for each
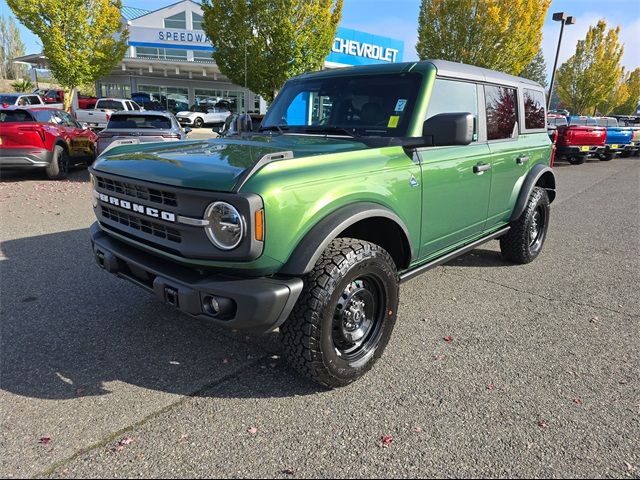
(198, 122)
(344, 317)
(524, 241)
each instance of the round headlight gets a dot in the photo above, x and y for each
(226, 226)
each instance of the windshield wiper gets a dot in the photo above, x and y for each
(333, 130)
(273, 128)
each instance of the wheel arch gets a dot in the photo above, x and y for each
(365, 221)
(539, 176)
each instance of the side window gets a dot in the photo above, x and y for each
(502, 114)
(533, 109)
(22, 101)
(33, 100)
(69, 121)
(450, 96)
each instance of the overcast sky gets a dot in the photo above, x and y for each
(399, 19)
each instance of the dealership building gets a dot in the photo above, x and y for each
(169, 55)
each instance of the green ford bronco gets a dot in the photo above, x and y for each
(357, 180)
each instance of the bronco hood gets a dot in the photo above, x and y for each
(217, 164)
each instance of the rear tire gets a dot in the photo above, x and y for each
(344, 317)
(524, 241)
(198, 122)
(59, 166)
(577, 159)
(606, 157)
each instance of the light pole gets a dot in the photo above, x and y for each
(565, 20)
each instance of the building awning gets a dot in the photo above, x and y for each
(37, 60)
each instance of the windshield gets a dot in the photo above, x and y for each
(582, 121)
(10, 99)
(157, 122)
(364, 105)
(607, 122)
(558, 122)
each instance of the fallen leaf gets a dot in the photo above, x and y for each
(416, 429)
(577, 401)
(491, 386)
(252, 430)
(80, 391)
(543, 424)
(44, 440)
(288, 471)
(439, 357)
(387, 440)
(594, 319)
(448, 339)
(630, 468)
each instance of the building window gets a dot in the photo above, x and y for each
(161, 53)
(202, 56)
(176, 21)
(196, 20)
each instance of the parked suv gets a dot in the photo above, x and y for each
(359, 179)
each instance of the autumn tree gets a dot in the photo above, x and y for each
(588, 78)
(83, 40)
(628, 106)
(11, 46)
(494, 34)
(618, 95)
(275, 39)
(536, 70)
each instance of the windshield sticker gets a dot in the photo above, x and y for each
(402, 102)
(393, 121)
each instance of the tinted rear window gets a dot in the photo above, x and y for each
(533, 109)
(558, 122)
(582, 121)
(607, 122)
(43, 116)
(15, 116)
(110, 105)
(502, 115)
(10, 99)
(140, 121)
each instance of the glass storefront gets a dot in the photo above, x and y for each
(174, 99)
(235, 97)
(114, 90)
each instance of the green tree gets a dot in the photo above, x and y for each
(632, 83)
(494, 34)
(277, 39)
(588, 78)
(82, 39)
(618, 95)
(11, 46)
(536, 70)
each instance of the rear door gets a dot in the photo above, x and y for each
(510, 161)
(456, 180)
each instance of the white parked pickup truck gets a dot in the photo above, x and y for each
(98, 117)
(27, 100)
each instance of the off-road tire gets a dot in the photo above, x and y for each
(516, 245)
(59, 166)
(606, 157)
(198, 122)
(576, 159)
(626, 154)
(309, 334)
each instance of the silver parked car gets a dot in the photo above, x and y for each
(130, 128)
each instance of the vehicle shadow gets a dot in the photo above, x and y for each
(480, 257)
(77, 173)
(69, 329)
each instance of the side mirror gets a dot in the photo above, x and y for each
(85, 125)
(449, 129)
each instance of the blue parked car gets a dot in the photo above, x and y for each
(619, 139)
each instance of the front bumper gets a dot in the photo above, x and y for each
(25, 157)
(185, 121)
(573, 150)
(261, 304)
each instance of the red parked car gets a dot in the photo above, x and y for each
(57, 96)
(45, 138)
(580, 138)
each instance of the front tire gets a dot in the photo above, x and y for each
(344, 317)
(198, 122)
(606, 157)
(59, 166)
(524, 241)
(577, 159)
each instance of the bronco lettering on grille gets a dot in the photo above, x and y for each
(137, 208)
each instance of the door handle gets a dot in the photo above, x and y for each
(522, 159)
(480, 168)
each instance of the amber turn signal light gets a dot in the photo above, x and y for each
(260, 225)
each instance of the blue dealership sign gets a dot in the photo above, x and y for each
(351, 47)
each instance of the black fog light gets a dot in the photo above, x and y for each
(219, 307)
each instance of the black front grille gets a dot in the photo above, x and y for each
(137, 191)
(151, 228)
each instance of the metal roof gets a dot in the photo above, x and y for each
(129, 13)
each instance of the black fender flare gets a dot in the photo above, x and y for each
(307, 252)
(531, 180)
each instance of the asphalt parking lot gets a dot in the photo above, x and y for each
(541, 379)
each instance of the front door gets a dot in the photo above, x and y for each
(456, 181)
